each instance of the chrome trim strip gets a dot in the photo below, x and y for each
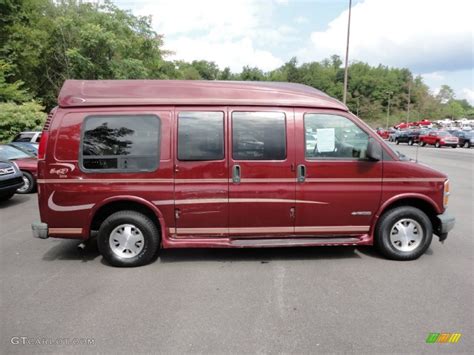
(65, 230)
(233, 200)
(250, 230)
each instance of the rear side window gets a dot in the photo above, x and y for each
(200, 136)
(23, 137)
(258, 136)
(123, 143)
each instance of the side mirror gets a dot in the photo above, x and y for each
(374, 150)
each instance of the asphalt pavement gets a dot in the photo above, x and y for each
(58, 299)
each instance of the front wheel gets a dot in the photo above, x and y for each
(397, 141)
(403, 233)
(422, 144)
(437, 145)
(410, 142)
(466, 145)
(128, 238)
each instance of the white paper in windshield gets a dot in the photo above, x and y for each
(325, 139)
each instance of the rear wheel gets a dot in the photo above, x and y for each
(403, 233)
(422, 144)
(128, 238)
(29, 183)
(410, 142)
(437, 145)
(454, 146)
(466, 145)
(397, 141)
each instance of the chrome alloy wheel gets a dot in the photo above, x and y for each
(126, 241)
(26, 185)
(406, 235)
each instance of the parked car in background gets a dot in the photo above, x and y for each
(409, 136)
(439, 139)
(11, 179)
(27, 163)
(466, 138)
(394, 134)
(383, 133)
(33, 137)
(29, 147)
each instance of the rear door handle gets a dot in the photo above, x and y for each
(301, 173)
(236, 174)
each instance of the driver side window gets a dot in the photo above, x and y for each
(333, 137)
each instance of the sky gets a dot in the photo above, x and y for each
(433, 38)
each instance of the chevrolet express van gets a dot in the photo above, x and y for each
(157, 164)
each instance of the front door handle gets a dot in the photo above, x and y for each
(236, 174)
(301, 173)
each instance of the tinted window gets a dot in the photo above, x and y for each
(258, 136)
(334, 137)
(200, 136)
(126, 143)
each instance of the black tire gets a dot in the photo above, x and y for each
(466, 145)
(454, 146)
(437, 145)
(397, 142)
(144, 224)
(30, 184)
(6, 197)
(388, 221)
(410, 142)
(422, 144)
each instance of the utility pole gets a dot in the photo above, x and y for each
(409, 101)
(388, 108)
(346, 69)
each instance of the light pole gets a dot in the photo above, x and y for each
(409, 101)
(346, 69)
(388, 108)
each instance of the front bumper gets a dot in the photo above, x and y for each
(40, 230)
(445, 224)
(11, 184)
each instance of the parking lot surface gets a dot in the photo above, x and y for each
(294, 300)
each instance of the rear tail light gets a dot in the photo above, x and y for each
(44, 136)
(42, 145)
(446, 194)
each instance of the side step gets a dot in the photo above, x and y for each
(294, 242)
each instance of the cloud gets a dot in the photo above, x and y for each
(467, 94)
(230, 33)
(423, 35)
(301, 19)
(234, 54)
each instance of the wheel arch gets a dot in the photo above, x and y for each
(119, 203)
(419, 201)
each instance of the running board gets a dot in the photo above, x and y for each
(293, 242)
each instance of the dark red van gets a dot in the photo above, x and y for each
(187, 164)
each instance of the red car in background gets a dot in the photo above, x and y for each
(27, 163)
(439, 139)
(383, 133)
